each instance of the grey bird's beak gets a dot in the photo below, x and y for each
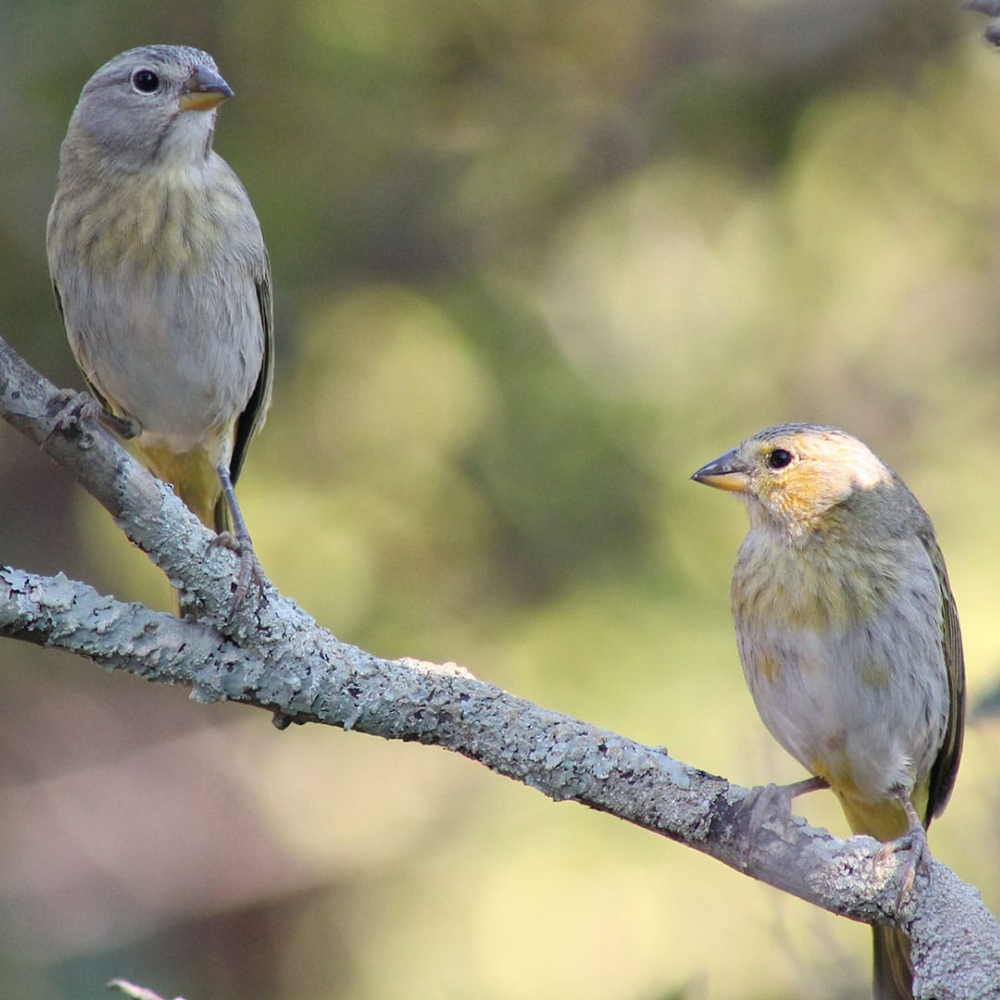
(727, 472)
(205, 89)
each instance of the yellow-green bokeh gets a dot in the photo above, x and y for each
(533, 264)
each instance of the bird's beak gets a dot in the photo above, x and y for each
(205, 89)
(728, 472)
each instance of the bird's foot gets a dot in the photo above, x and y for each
(766, 801)
(914, 843)
(250, 568)
(239, 541)
(72, 409)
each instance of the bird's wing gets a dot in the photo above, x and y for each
(946, 765)
(252, 418)
(91, 388)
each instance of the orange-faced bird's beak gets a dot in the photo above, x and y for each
(728, 472)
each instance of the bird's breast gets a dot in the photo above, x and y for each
(842, 652)
(154, 226)
(810, 585)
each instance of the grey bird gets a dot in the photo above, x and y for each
(161, 274)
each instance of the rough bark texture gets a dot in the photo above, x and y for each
(271, 655)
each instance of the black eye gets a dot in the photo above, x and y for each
(146, 81)
(779, 458)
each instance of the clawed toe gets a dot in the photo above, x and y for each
(914, 843)
(765, 801)
(71, 409)
(250, 569)
(227, 540)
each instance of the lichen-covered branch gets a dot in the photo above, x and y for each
(271, 655)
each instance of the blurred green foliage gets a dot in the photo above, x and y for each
(534, 263)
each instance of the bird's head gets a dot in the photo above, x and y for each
(149, 106)
(792, 477)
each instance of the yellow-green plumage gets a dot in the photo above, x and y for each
(847, 632)
(196, 481)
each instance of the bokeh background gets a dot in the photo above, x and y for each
(534, 263)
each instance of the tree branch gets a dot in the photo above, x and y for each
(272, 655)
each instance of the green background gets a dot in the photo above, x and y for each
(534, 263)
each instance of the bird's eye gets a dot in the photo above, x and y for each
(779, 458)
(146, 81)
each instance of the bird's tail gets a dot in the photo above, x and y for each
(893, 969)
(886, 821)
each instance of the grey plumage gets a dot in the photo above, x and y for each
(160, 269)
